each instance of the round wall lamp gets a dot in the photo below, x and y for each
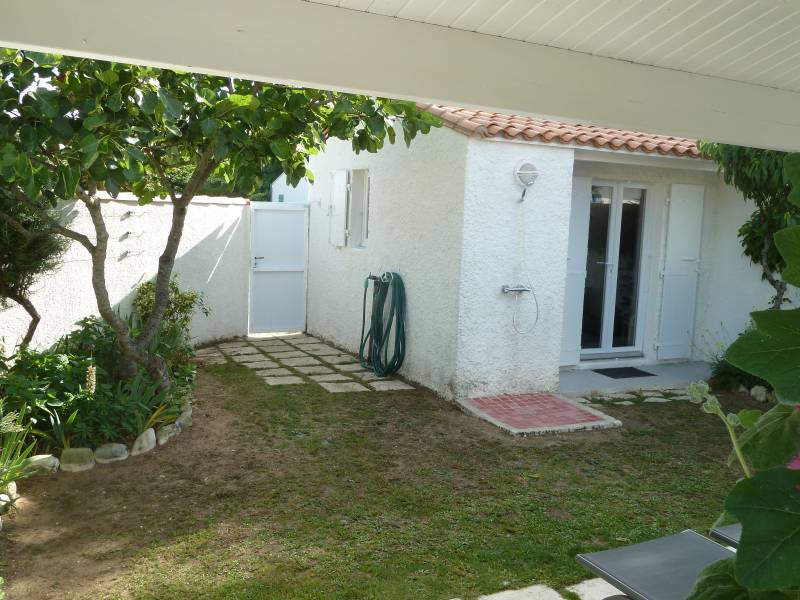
(525, 174)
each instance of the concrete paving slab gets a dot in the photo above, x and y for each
(305, 340)
(594, 589)
(314, 370)
(367, 376)
(273, 346)
(321, 351)
(350, 367)
(240, 351)
(286, 380)
(329, 377)
(338, 359)
(581, 382)
(389, 385)
(303, 361)
(248, 358)
(289, 354)
(534, 592)
(280, 372)
(261, 364)
(234, 344)
(345, 386)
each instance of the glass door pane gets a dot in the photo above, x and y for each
(628, 261)
(596, 263)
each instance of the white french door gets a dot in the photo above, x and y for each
(611, 319)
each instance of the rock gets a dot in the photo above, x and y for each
(111, 453)
(144, 443)
(185, 419)
(624, 403)
(46, 463)
(742, 389)
(655, 399)
(759, 393)
(166, 433)
(75, 460)
(11, 490)
(5, 503)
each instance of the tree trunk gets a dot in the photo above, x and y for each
(778, 284)
(25, 303)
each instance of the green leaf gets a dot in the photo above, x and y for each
(768, 507)
(749, 417)
(209, 126)
(788, 243)
(67, 182)
(772, 351)
(28, 137)
(63, 127)
(791, 171)
(172, 108)
(718, 582)
(280, 148)
(47, 101)
(88, 144)
(136, 153)
(114, 102)
(92, 122)
(149, 101)
(774, 439)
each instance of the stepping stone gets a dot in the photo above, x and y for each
(594, 589)
(248, 358)
(389, 385)
(229, 345)
(681, 397)
(273, 346)
(305, 340)
(239, 351)
(329, 378)
(287, 380)
(534, 592)
(274, 373)
(345, 386)
(350, 367)
(338, 359)
(314, 370)
(367, 376)
(75, 460)
(261, 364)
(322, 351)
(290, 354)
(303, 361)
(655, 400)
(624, 403)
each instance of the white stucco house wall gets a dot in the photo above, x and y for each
(627, 241)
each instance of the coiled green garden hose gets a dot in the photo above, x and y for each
(373, 353)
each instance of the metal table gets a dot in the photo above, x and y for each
(728, 535)
(662, 569)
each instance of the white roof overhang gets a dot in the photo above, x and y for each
(727, 71)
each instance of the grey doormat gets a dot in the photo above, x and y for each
(623, 372)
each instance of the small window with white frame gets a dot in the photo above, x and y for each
(358, 209)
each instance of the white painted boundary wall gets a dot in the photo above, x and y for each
(213, 258)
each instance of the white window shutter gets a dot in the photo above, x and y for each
(337, 210)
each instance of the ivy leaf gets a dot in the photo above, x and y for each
(768, 507)
(791, 171)
(771, 351)
(718, 582)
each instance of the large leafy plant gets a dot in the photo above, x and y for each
(71, 128)
(767, 500)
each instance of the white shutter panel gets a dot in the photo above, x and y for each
(576, 270)
(680, 274)
(337, 211)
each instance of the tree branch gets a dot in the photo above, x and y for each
(15, 224)
(162, 176)
(53, 223)
(25, 303)
(205, 166)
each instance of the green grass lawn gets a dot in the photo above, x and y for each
(296, 493)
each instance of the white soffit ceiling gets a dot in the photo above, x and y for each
(725, 70)
(752, 41)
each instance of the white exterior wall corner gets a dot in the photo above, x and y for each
(492, 356)
(213, 258)
(416, 200)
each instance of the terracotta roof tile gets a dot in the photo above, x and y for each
(488, 124)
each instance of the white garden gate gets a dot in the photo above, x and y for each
(278, 267)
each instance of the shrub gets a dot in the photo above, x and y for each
(13, 448)
(70, 395)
